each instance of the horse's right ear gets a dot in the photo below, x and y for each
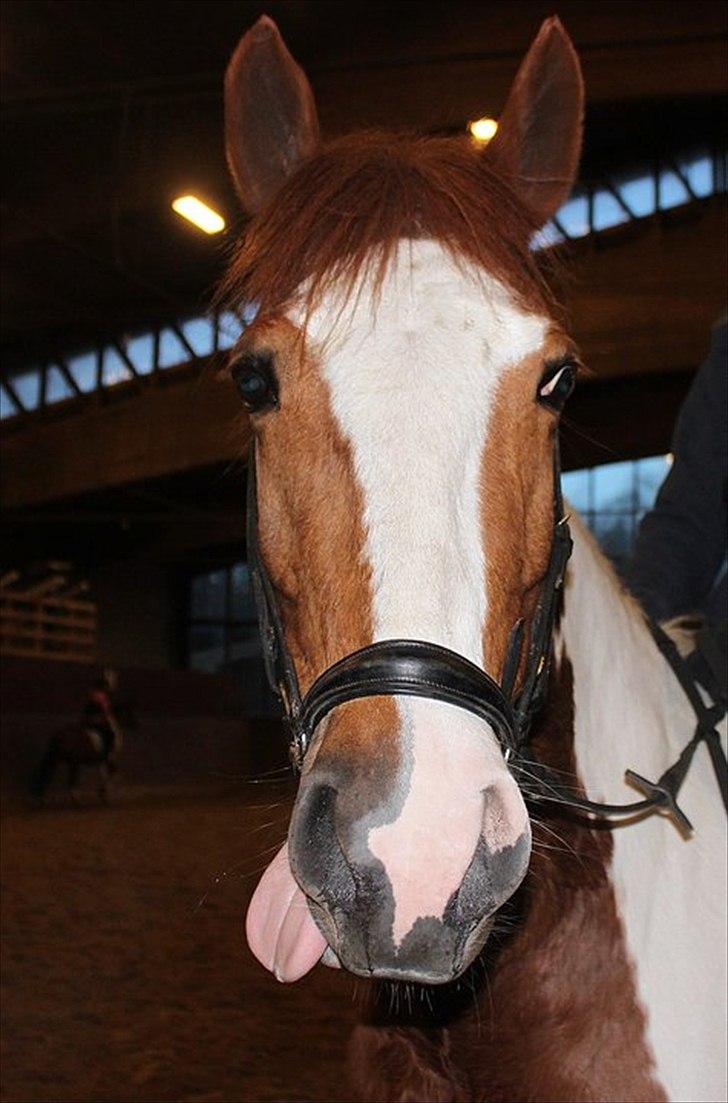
(270, 115)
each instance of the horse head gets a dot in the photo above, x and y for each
(404, 376)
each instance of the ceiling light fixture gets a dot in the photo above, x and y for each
(197, 212)
(483, 130)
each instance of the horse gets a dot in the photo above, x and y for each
(75, 746)
(404, 378)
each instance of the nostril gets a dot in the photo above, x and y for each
(474, 899)
(317, 858)
(504, 815)
(500, 860)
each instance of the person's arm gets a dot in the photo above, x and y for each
(682, 540)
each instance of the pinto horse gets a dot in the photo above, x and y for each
(404, 376)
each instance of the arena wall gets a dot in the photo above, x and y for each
(190, 727)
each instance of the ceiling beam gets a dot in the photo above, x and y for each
(641, 301)
(445, 92)
(643, 298)
(153, 431)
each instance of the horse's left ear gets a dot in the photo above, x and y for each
(538, 141)
(270, 115)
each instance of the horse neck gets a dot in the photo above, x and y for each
(627, 711)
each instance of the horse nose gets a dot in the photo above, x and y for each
(352, 897)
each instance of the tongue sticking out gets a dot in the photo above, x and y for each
(280, 930)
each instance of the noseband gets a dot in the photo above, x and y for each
(416, 668)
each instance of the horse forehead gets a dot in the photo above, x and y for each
(429, 305)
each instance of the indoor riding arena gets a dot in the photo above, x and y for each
(363, 688)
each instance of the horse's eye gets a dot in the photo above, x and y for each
(255, 379)
(557, 383)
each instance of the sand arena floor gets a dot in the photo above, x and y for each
(125, 971)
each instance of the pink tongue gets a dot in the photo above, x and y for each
(280, 930)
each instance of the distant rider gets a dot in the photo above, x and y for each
(99, 714)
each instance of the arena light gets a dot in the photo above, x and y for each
(483, 130)
(199, 214)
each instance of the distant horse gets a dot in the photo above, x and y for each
(404, 376)
(75, 746)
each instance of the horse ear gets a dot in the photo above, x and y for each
(270, 115)
(538, 141)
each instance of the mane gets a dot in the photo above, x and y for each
(342, 214)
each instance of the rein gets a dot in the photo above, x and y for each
(417, 668)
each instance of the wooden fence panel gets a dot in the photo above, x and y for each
(45, 627)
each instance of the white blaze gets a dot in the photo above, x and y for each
(412, 376)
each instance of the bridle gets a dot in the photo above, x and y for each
(416, 668)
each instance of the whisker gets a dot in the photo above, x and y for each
(259, 781)
(261, 827)
(281, 771)
(568, 847)
(476, 1002)
(265, 807)
(521, 766)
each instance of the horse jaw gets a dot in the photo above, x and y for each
(279, 927)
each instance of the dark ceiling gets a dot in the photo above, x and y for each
(110, 109)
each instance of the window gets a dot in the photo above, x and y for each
(222, 625)
(171, 350)
(7, 405)
(27, 388)
(228, 330)
(200, 333)
(636, 196)
(613, 498)
(83, 370)
(203, 334)
(114, 368)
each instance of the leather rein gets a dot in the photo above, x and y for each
(416, 668)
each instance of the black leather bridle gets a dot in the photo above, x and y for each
(416, 668)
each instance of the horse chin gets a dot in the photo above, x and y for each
(422, 975)
(442, 965)
(411, 974)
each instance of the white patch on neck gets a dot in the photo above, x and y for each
(671, 892)
(412, 374)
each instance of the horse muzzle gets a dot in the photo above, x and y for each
(354, 903)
